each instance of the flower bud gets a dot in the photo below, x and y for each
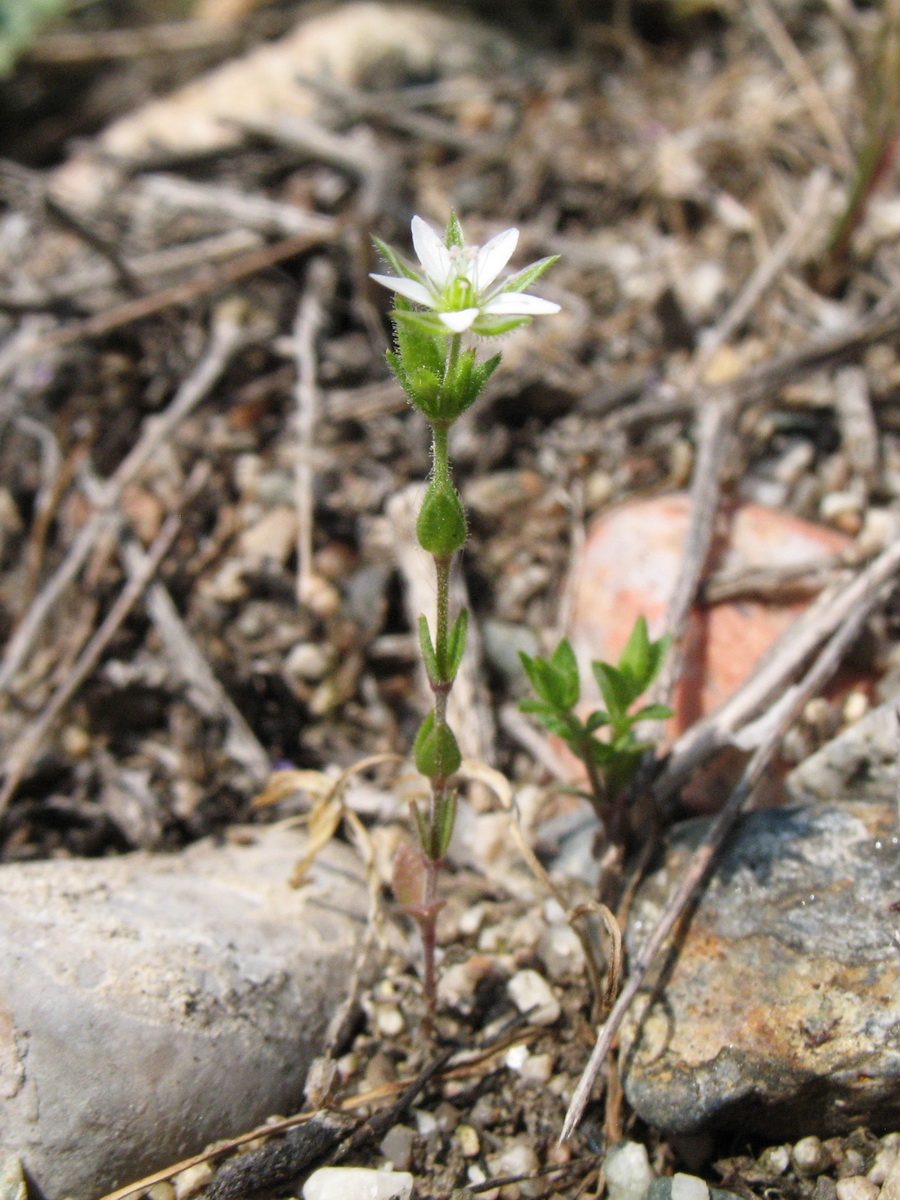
(441, 526)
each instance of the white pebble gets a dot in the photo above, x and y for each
(884, 1160)
(537, 1068)
(856, 1187)
(810, 1157)
(357, 1183)
(532, 995)
(627, 1171)
(775, 1160)
(689, 1187)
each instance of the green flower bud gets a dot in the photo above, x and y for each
(441, 526)
(436, 750)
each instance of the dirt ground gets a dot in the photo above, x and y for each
(202, 577)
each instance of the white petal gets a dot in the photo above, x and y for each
(493, 257)
(461, 320)
(518, 304)
(410, 288)
(433, 254)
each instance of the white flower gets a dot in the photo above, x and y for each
(458, 282)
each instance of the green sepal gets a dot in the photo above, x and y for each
(444, 820)
(436, 750)
(428, 653)
(441, 524)
(396, 261)
(525, 278)
(465, 385)
(454, 234)
(456, 644)
(416, 346)
(487, 326)
(425, 320)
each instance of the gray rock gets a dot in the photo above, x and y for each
(780, 1013)
(862, 761)
(150, 1004)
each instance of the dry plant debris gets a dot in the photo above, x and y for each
(200, 576)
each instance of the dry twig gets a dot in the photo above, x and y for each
(227, 336)
(21, 754)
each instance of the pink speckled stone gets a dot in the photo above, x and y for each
(629, 565)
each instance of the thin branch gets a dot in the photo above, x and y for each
(813, 681)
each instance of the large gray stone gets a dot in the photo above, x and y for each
(781, 1012)
(152, 1003)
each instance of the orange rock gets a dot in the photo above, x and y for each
(629, 565)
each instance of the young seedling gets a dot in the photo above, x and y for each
(454, 292)
(611, 761)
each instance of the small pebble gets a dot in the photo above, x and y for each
(161, 1191)
(810, 1157)
(397, 1146)
(850, 1163)
(884, 1160)
(689, 1187)
(469, 1143)
(856, 1187)
(532, 995)
(627, 1171)
(389, 1020)
(537, 1068)
(357, 1183)
(775, 1160)
(192, 1180)
(308, 661)
(517, 1159)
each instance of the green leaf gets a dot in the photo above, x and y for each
(595, 720)
(634, 661)
(444, 819)
(550, 718)
(396, 261)
(653, 712)
(436, 750)
(454, 234)
(428, 655)
(526, 277)
(456, 644)
(536, 670)
(441, 524)
(658, 651)
(614, 688)
(565, 665)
